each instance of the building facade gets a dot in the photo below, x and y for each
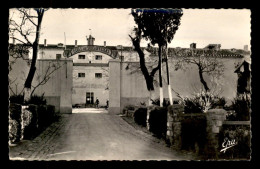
(91, 69)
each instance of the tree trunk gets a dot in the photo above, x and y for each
(29, 79)
(152, 97)
(203, 81)
(160, 75)
(168, 76)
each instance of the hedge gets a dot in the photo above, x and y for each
(158, 121)
(29, 121)
(242, 136)
(30, 131)
(140, 116)
(15, 125)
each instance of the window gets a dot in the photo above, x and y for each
(98, 57)
(81, 56)
(58, 56)
(81, 74)
(98, 75)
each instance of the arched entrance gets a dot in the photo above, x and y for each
(90, 74)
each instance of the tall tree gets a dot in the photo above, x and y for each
(149, 76)
(158, 26)
(21, 30)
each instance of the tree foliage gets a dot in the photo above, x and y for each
(157, 25)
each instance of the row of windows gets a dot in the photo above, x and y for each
(97, 75)
(97, 57)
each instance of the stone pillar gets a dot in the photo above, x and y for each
(215, 118)
(114, 86)
(174, 125)
(66, 85)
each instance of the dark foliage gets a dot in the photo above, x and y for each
(192, 106)
(15, 123)
(242, 107)
(37, 100)
(158, 121)
(194, 133)
(18, 99)
(219, 103)
(156, 102)
(242, 136)
(30, 131)
(140, 116)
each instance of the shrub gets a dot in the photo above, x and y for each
(15, 111)
(218, 103)
(18, 99)
(156, 102)
(140, 116)
(242, 107)
(37, 100)
(192, 106)
(242, 136)
(30, 131)
(158, 121)
(202, 102)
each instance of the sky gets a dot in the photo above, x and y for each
(228, 27)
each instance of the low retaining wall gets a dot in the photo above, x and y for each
(182, 129)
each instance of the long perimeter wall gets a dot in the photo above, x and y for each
(128, 88)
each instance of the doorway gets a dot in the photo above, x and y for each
(89, 98)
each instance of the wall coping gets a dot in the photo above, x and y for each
(114, 60)
(236, 123)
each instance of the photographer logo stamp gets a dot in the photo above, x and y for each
(228, 144)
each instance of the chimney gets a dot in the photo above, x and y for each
(90, 40)
(246, 47)
(45, 42)
(193, 46)
(105, 44)
(76, 43)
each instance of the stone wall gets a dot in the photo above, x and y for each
(209, 145)
(57, 90)
(126, 82)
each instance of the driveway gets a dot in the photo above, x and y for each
(93, 134)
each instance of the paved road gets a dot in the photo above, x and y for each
(91, 134)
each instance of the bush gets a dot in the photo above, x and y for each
(242, 107)
(242, 136)
(18, 99)
(31, 130)
(218, 103)
(202, 102)
(15, 121)
(158, 121)
(156, 102)
(192, 106)
(37, 100)
(140, 116)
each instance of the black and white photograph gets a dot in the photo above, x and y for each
(129, 84)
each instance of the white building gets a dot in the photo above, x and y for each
(90, 67)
